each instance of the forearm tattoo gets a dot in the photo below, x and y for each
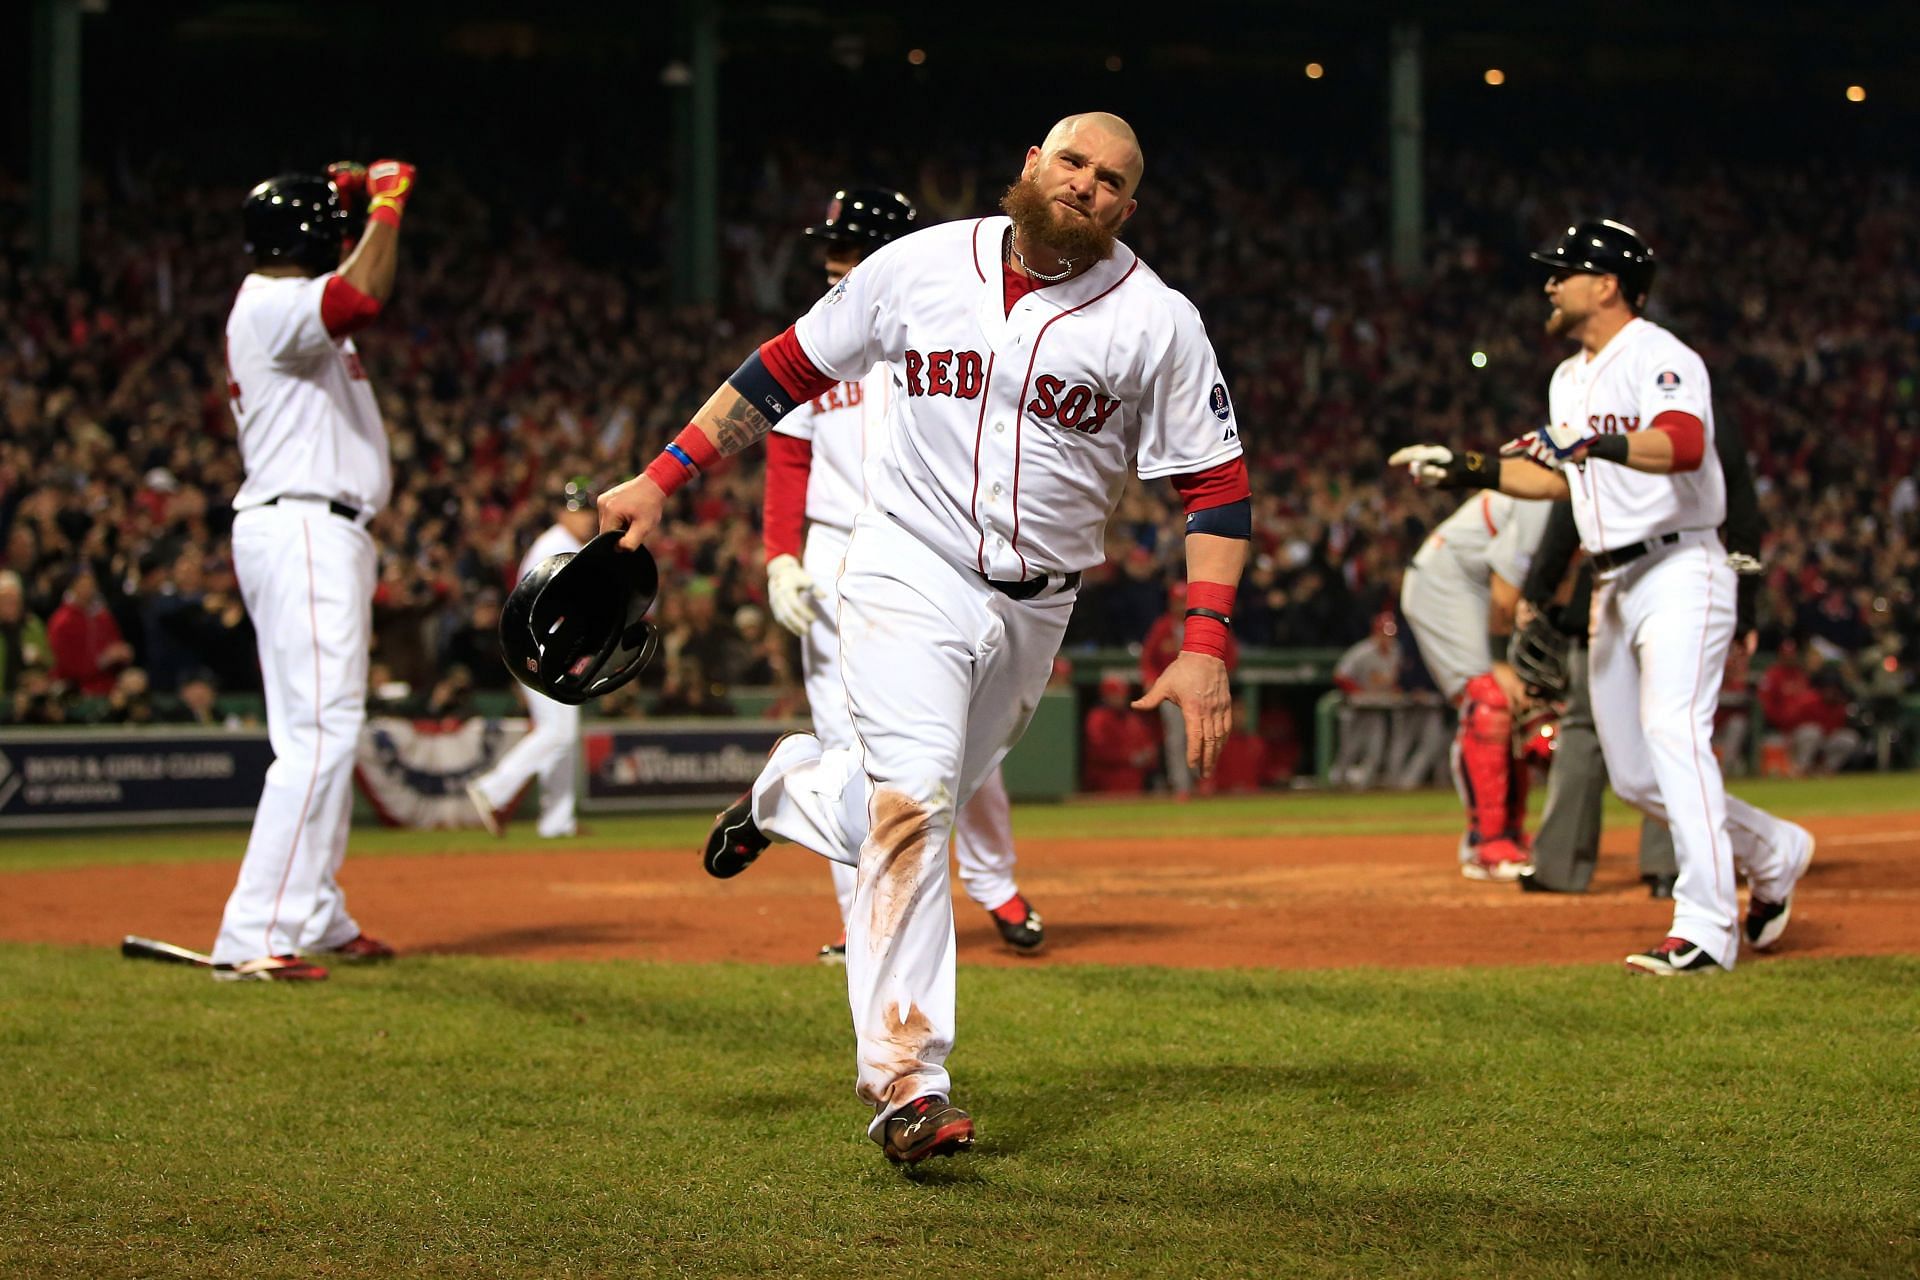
(738, 427)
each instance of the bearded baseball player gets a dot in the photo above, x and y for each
(1630, 441)
(816, 458)
(317, 472)
(1459, 595)
(1035, 362)
(551, 749)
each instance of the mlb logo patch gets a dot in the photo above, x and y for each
(1217, 398)
(1668, 381)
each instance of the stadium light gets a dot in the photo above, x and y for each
(1856, 93)
(1479, 359)
(916, 56)
(1113, 62)
(1315, 71)
(1495, 75)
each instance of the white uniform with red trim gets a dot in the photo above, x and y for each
(317, 468)
(1009, 439)
(1446, 594)
(839, 425)
(1662, 624)
(551, 749)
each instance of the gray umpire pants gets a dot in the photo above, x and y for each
(1568, 842)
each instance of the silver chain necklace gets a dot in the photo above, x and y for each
(1037, 275)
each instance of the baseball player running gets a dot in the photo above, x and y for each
(315, 454)
(815, 462)
(1459, 595)
(1630, 441)
(551, 749)
(1035, 362)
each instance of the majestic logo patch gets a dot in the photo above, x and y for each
(1217, 398)
(1667, 381)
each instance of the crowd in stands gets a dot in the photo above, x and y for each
(529, 342)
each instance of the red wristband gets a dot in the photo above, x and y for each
(690, 452)
(1208, 635)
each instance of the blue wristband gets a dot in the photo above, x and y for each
(680, 456)
(1233, 520)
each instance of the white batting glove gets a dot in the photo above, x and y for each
(1428, 464)
(790, 592)
(1551, 446)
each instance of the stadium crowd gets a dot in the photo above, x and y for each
(530, 341)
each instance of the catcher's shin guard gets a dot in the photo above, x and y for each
(1483, 750)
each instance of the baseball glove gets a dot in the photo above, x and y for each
(1538, 655)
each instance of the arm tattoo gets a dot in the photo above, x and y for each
(740, 426)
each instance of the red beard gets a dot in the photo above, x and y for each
(1044, 224)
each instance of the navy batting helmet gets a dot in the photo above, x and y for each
(575, 627)
(295, 218)
(866, 217)
(1604, 248)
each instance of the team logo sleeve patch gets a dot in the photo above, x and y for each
(1217, 399)
(1667, 380)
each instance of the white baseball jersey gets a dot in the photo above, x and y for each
(555, 541)
(1490, 533)
(1007, 448)
(308, 421)
(1643, 372)
(844, 425)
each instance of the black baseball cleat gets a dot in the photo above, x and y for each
(1024, 932)
(1674, 957)
(927, 1126)
(734, 842)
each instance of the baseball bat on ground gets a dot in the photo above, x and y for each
(137, 948)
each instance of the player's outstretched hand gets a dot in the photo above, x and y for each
(636, 506)
(1434, 466)
(1197, 684)
(790, 592)
(1551, 447)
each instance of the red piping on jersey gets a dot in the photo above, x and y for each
(980, 555)
(1486, 513)
(1215, 487)
(1020, 405)
(976, 250)
(319, 736)
(1689, 436)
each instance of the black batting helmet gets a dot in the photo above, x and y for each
(297, 218)
(575, 627)
(866, 217)
(1604, 248)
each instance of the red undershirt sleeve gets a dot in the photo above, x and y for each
(1216, 486)
(787, 361)
(1689, 436)
(789, 463)
(344, 309)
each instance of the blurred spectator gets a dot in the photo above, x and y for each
(1368, 674)
(475, 643)
(87, 647)
(1161, 647)
(23, 637)
(37, 700)
(198, 701)
(1243, 757)
(1806, 700)
(131, 701)
(1118, 743)
(688, 692)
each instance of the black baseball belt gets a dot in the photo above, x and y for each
(1028, 588)
(1605, 561)
(345, 510)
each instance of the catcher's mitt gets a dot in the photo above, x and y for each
(1538, 655)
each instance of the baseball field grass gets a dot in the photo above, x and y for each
(462, 1116)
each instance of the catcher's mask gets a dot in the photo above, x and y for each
(575, 627)
(1538, 655)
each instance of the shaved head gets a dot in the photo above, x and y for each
(1075, 129)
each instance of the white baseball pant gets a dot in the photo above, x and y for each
(550, 751)
(942, 674)
(307, 577)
